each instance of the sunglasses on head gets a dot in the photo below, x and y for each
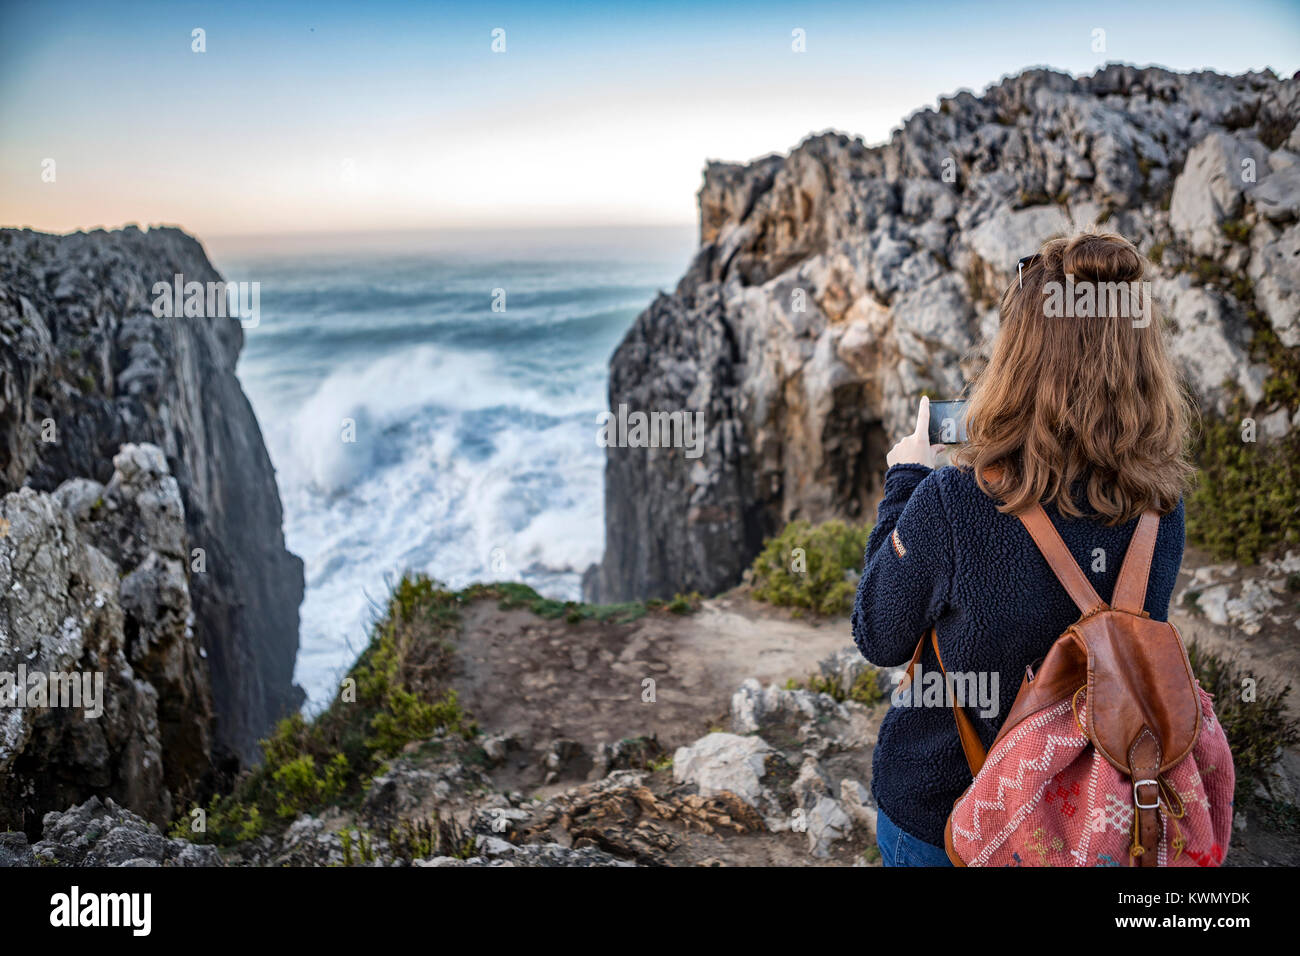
(1026, 261)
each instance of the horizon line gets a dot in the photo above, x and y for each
(327, 233)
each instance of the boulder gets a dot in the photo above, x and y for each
(1212, 188)
(721, 762)
(1275, 268)
(1012, 233)
(101, 833)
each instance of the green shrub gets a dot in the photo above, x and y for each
(414, 839)
(356, 850)
(397, 692)
(1237, 230)
(865, 690)
(685, 603)
(1246, 499)
(806, 566)
(665, 762)
(227, 821)
(299, 785)
(406, 717)
(1247, 496)
(408, 840)
(1257, 730)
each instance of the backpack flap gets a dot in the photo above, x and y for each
(1139, 679)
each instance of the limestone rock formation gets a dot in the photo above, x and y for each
(95, 591)
(100, 833)
(142, 536)
(835, 285)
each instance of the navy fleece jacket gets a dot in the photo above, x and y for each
(974, 574)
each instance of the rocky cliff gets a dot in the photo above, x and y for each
(141, 534)
(835, 285)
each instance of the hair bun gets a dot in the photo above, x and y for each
(1102, 257)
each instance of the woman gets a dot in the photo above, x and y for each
(1082, 413)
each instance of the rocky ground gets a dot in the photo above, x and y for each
(722, 766)
(1249, 613)
(580, 762)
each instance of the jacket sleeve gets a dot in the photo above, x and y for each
(907, 569)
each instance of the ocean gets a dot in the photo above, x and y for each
(414, 428)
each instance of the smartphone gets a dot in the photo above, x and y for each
(948, 422)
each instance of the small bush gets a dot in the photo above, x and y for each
(1246, 499)
(357, 850)
(807, 567)
(663, 763)
(865, 690)
(227, 821)
(685, 603)
(1207, 270)
(1237, 230)
(407, 718)
(408, 840)
(1257, 730)
(298, 785)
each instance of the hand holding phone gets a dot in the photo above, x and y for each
(916, 448)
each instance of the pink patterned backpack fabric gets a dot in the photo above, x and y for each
(1111, 754)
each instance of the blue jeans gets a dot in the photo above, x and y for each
(899, 848)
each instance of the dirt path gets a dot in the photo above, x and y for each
(541, 680)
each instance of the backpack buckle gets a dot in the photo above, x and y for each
(1137, 799)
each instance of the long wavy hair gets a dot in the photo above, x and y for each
(1084, 406)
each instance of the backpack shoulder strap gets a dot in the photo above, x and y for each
(1062, 563)
(971, 745)
(1131, 588)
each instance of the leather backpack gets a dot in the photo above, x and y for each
(1111, 754)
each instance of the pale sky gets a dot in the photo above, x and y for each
(322, 117)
